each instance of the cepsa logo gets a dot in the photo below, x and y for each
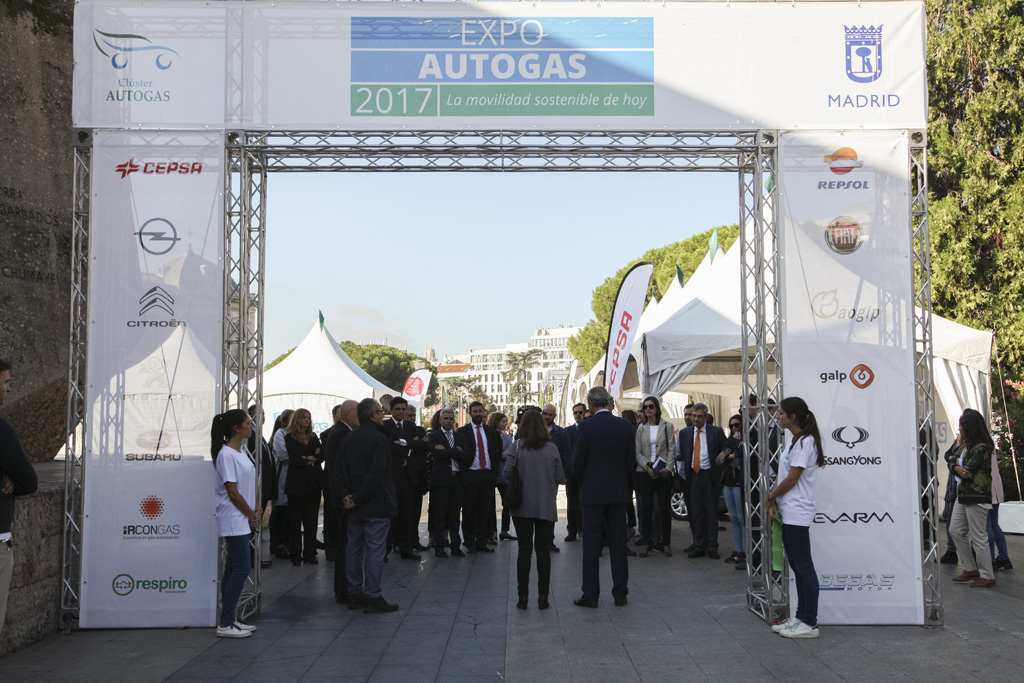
(151, 167)
(620, 351)
(856, 582)
(861, 376)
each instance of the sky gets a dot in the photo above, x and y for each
(460, 261)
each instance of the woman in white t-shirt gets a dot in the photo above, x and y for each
(792, 498)
(236, 512)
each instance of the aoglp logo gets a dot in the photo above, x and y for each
(863, 53)
(124, 584)
(856, 582)
(843, 235)
(158, 236)
(861, 376)
(159, 168)
(825, 305)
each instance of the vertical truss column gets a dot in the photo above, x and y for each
(924, 380)
(245, 182)
(74, 471)
(767, 590)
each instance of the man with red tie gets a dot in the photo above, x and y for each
(699, 446)
(480, 479)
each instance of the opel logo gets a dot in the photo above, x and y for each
(157, 236)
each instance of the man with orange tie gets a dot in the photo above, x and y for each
(480, 479)
(699, 446)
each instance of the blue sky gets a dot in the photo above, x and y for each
(465, 260)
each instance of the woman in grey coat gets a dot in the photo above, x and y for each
(540, 470)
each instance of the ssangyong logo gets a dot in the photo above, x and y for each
(124, 584)
(856, 582)
(853, 518)
(159, 168)
(863, 53)
(840, 436)
(843, 235)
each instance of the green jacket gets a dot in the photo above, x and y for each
(978, 461)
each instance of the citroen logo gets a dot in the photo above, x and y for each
(156, 298)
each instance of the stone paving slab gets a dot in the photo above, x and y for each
(686, 622)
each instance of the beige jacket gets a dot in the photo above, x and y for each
(666, 445)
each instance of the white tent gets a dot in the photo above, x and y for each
(316, 376)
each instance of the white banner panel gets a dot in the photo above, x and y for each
(149, 555)
(847, 310)
(629, 305)
(490, 65)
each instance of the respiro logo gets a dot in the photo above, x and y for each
(124, 584)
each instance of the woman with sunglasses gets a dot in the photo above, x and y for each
(655, 462)
(731, 462)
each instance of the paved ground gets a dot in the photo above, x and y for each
(686, 621)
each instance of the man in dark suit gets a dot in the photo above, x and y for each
(699, 446)
(330, 527)
(480, 478)
(448, 462)
(560, 437)
(368, 495)
(573, 513)
(406, 465)
(604, 461)
(418, 461)
(347, 421)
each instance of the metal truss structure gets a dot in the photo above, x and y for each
(928, 454)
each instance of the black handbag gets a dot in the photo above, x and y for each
(514, 489)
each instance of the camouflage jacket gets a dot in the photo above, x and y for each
(978, 461)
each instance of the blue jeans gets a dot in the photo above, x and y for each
(236, 571)
(797, 542)
(734, 503)
(995, 535)
(364, 558)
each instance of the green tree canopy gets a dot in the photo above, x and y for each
(589, 344)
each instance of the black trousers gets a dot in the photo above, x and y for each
(278, 527)
(660, 504)
(403, 532)
(303, 510)
(444, 511)
(478, 505)
(704, 510)
(330, 522)
(341, 538)
(506, 512)
(602, 522)
(573, 513)
(534, 534)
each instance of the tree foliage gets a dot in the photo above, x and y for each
(390, 366)
(975, 164)
(519, 364)
(590, 343)
(279, 359)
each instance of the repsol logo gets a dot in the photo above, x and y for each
(853, 518)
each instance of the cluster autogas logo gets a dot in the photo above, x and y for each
(151, 508)
(827, 306)
(859, 583)
(861, 376)
(863, 62)
(853, 518)
(125, 584)
(844, 235)
(852, 436)
(134, 54)
(158, 167)
(841, 163)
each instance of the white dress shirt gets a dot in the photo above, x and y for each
(705, 461)
(479, 436)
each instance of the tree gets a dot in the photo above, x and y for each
(591, 341)
(279, 359)
(519, 363)
(390, 366)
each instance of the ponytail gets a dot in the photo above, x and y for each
(223, 429)
(797, 407)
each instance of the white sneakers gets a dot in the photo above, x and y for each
(245, 627)
(776, 628)
(798, 629)
(233, 631)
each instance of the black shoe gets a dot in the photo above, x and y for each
(410, 555)
(458, 553)
(524, 602)
(713, 554)
(266, 564)
(378, 606)
(949, 558)
(696, 553)
(355, 600)
(484, 548)
(296, 562)
(582, 601)
(311, 560)
(506, 536)
(630, 552)
(570, 538)
(1002, 564)
(690, 548)
(320, 545)
(643, 541)
(621, 602)
(492, 540)
(432, 543)
(542, 603)
(282, 554)
(422, 548)
(555, 548)
(471, 551)
(440, 553)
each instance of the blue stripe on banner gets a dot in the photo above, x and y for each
(502, 67)
(503, 32)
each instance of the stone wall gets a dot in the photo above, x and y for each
(36, 165)
(34, 602)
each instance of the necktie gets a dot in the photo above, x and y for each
(451, 443)
(480, 447)
(400, 434)
(696, 452)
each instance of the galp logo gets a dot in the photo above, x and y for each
(863, 53)
(861, 376)
(159, 168)
(118, 46)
